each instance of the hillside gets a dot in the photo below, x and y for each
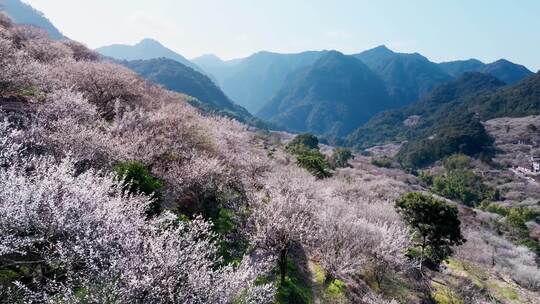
(116, 190)
(253, 81)
(407, 123)
(22, 13)
(180, 78)
(408, 77)
(333, 96)
(215, 66)
(448, 120)
(505, 70)
(144, 50)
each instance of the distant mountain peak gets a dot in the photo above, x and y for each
(145, 49)
(382, 48)
(149, 42)
(208, 57)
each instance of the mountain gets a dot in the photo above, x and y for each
(214, 67)
(458, 67)
(417, 118)
(505, 70)
(144, 50)
(180, 78)
(518, 100)
(253, 81)
(22, 13)
(333, 96)
(407, 76)
(449, 119)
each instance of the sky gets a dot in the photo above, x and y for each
(441, 30)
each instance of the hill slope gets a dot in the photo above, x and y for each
(180, 78)
(22, 13)
(253, 81)
(503, 69)
(407, 76)
(409, 122)
(333, 96)
(144, 50)
(448, 121)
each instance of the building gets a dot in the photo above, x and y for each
(535, 164)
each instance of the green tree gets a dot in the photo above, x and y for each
(435, 224)
(457, 162)
(138, 179)
(465, 186)
(340, 158)
(309, 140)
(313, 161)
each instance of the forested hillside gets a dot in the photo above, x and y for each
(180, 78)
(332, 97)
(254, 80)
(23, 13)
(504, 70)
(110, 185)
(144, 50)
(142, 182)
(432, 122)
(407, 76)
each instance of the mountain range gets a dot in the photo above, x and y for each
(144, 50)
(363, 98)
(332, 96)
(448, 120)
(23, 13)
(503, 69)
(254, 80)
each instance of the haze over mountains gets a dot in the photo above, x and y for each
(323, 92)
(331, 96)
(503, 69)
(145, 49)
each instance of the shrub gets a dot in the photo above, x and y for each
(308, 156)
(435, 235)
(309, 140)
(457, 162)
(383, 162)
(138, 179)
(426, 177)
(340, 158)
(314, 161)
(464, 186)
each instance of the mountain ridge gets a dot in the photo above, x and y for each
(145, 49)
(331, 97)
(22, 13)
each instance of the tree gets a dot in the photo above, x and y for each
(435, 224)
(313, 161)
(309, 140)
(463, 185)
(82, 239)
(283, 217)
(138, 179)
(340, 158)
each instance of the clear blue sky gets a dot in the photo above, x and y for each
(439, 29)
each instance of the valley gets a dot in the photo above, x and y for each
(131, 174)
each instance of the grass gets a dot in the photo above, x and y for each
(445, 295)
(502, 291)
(296, 288)
(329, 291)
